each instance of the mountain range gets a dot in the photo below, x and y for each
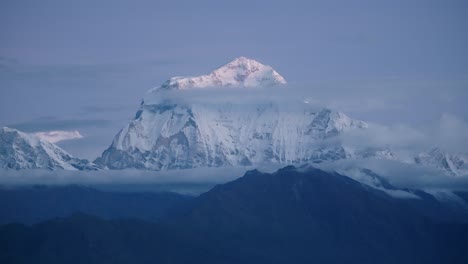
(224, 118)
(172, 130)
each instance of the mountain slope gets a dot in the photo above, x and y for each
(19, 150)
(173, 136)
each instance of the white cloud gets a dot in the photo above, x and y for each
(401, 175)
(198, 180)
(58, 135)
(451, 133)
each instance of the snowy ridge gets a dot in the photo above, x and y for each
(241, 72)
(19, 150)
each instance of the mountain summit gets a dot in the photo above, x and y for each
(20, 150)
(241, 72)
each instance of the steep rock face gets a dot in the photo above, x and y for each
(19, 150)
(180, 136)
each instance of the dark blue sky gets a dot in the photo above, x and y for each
(86, 64)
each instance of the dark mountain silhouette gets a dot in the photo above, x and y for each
(285, 217)
(36, 204)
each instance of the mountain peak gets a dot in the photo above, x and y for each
(19, 150)
(244, 62)
(241, 72)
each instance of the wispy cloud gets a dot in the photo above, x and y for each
(58, 135)
(192, 181)
(195, 181)
(449, 133)
(400, 174)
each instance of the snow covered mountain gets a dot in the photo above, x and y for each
(19, 150)
(170, 133)
(456, 164)
(241, 72)
(174, 129)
